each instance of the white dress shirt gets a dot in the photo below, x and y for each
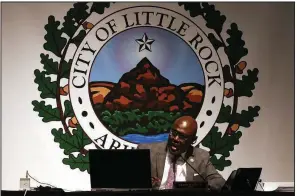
(180, 175)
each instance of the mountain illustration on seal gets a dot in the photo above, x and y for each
(143, 101)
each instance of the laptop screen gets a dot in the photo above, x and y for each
(246, 179)
(120, 168)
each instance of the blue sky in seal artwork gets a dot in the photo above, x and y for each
(169, 53)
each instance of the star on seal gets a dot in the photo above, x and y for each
(145, 43)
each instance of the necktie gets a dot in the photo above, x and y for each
(170, 179)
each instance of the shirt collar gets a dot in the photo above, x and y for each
(179, 161)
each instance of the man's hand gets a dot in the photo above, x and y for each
(156, 182)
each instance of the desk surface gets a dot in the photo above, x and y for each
(154, 192)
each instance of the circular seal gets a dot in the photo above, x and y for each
(146, 40)
(128, 70)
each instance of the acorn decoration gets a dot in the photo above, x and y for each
(64, 90)
(240, 67)
(233, 129)
(87, 25)
(228, 92)
(72, 122)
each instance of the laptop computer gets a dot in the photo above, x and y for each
(243, 179)
(120, 170)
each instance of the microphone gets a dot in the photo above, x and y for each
(259, 182)
(194, 169)
(204, 179)
(203, 185)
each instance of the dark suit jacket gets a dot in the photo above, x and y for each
(200, 160)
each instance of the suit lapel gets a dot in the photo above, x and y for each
(190, 171)
(161, 157)
(194, 162)
(160, 163)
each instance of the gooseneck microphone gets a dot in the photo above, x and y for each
(193, 168)
(188, 154)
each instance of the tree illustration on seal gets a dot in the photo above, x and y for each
(52, 80)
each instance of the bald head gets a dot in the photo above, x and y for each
(186, 125)
(182, 135)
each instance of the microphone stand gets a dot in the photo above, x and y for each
(204, 179)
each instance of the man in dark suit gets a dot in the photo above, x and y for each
(168, 159)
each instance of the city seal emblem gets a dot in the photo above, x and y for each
(126, 71)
